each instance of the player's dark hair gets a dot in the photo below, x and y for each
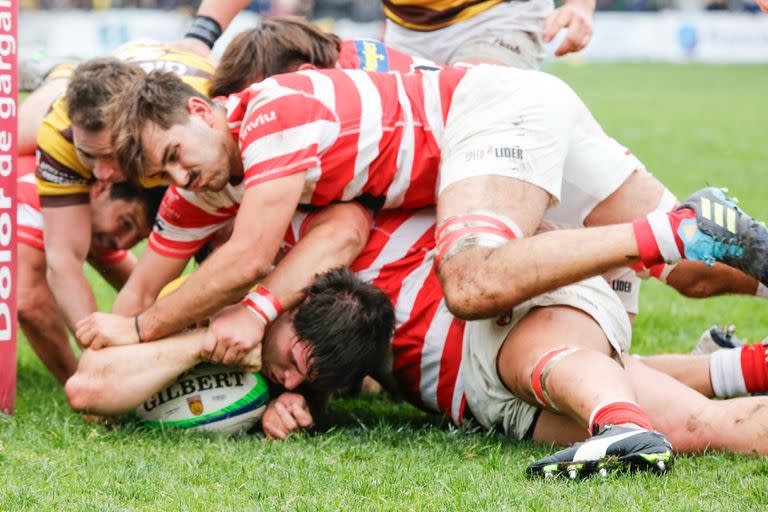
(161, 98)
(150, 197)
(94, 84)
(277, 45)
(348, 325)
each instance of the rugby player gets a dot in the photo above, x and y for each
(492, 31)
(381, 144)
(297, 349)
(73, 150)
(446, 365)
(475, 369)
(122, 214)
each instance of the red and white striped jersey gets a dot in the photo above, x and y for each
(427, 345)
(30, 217)
(375, 137)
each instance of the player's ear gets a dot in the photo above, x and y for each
(201, 108)
(306, 66)
(98, 189)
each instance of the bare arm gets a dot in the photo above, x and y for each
(116, 380)
(223, 13)
(151, 274)
(334, 238)
(576, 16)
(66, 249)
(116, 274)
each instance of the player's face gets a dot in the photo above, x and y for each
(94, 149)
(193, 155)
(284, 357)
(116, 223)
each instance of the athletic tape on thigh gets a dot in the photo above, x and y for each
(542, 370)
(476, 228)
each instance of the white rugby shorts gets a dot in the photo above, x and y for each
(531, 126)
(491, 403)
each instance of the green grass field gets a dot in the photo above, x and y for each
(691, 125)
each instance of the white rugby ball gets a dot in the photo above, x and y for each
(209, 397)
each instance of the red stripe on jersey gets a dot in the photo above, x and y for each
(408, 342)
(449, 80)
(175, 248)
(177, 210)
(449, 367)
(112, 257)
(26, 193)
(30, 236)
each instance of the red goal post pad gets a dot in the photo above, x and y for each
(9, 96)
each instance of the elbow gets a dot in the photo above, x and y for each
(79, 393)
(470, 295)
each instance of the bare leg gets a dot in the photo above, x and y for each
(39, 316)
(573, 391)
(692, 371)
(692, 422)
(115, 380)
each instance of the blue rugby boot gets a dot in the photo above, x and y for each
(722, 232)
(716, 338)
(625, 446)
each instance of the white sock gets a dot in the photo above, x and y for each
(725, 373)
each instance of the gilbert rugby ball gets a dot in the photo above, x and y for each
(208, 397)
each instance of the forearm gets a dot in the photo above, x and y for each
(115, 380)
(71, 289)
(224, 278)
(222, 12)
(482, 282)
(116, 274)
(323, 248)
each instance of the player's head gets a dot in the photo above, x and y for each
(121, 215)
(164, 129)
(337, 334)
(93, 86)
(277, 45)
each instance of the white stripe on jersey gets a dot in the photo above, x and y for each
(29, 216)
(323, 88)
(172, 233)
(412, 284)
(405, 153)
(230, 105)
(400, 242)
(369, 134)
(286, 142)
(432, 353)
(433, 107)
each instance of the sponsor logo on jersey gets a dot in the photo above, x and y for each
(256, 122)
(497, 152)
(195, 404)
(373, 56)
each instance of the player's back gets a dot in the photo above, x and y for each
(371, 136)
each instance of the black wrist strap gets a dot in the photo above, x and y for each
(205, 29)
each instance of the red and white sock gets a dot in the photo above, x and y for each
(657, 238)
(618, 413)
(739, 371)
